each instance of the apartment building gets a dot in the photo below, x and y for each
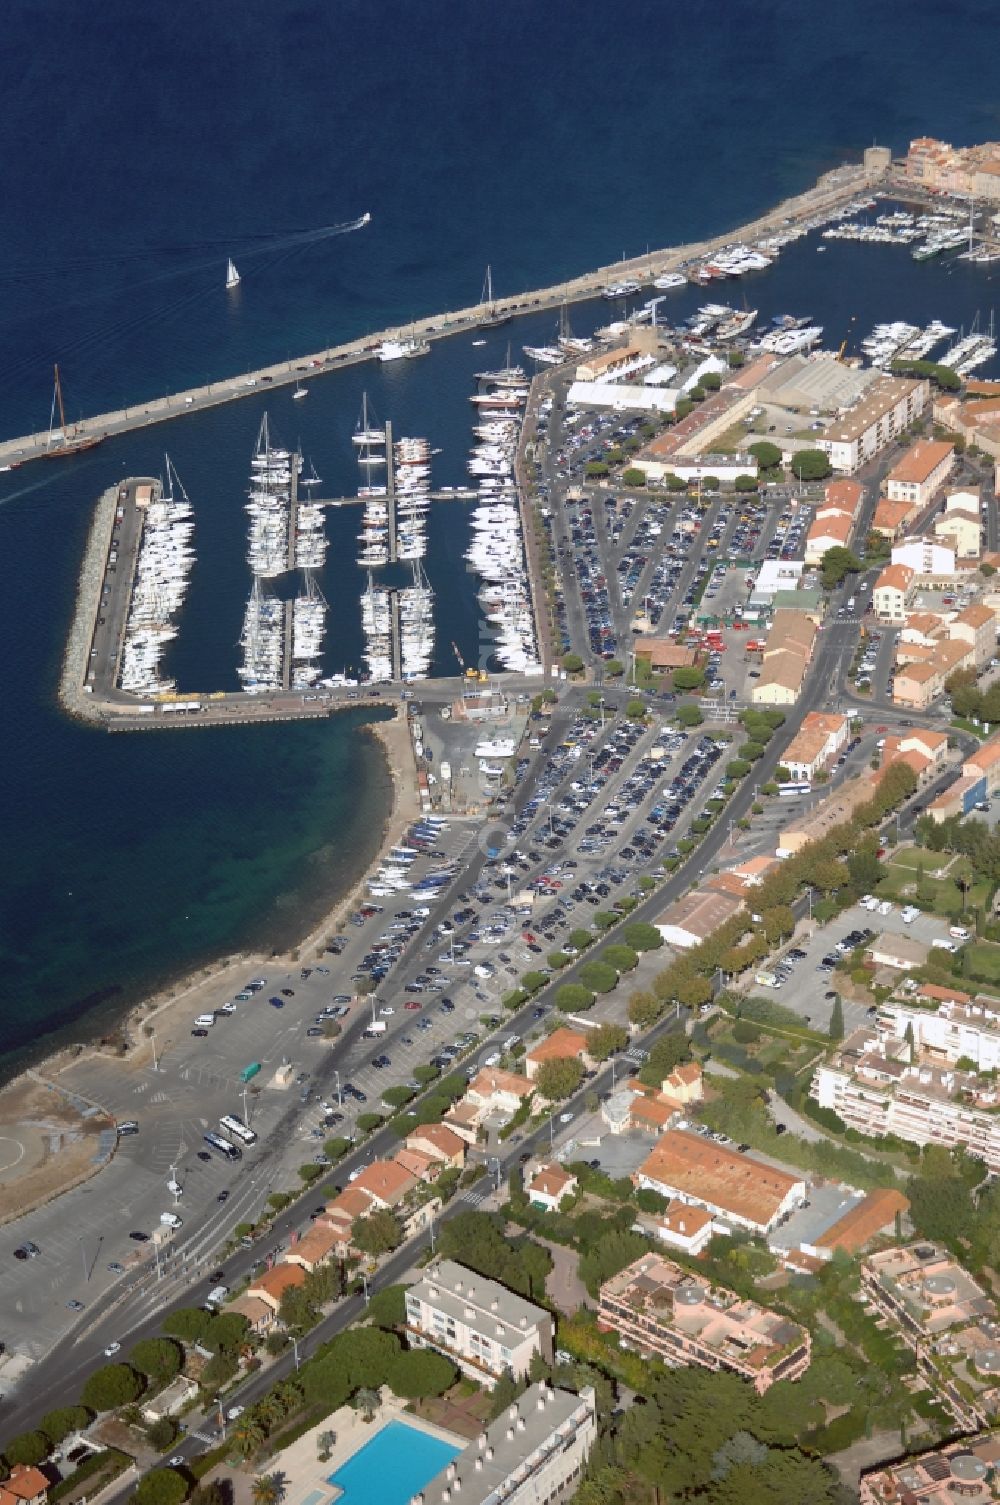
(921, 472)
(816, 744)
(533, 1454)
(832, 529)
(667, 1313)
(923, 1104)
(930, 558)
(947, 1319)
(961, 522)
(918, 684)
(479, 1324)
(984, 763)
(737, 1190)
(970, 171)
(890, 592)
(886, 410)
(951, 1028)
(966, 1470)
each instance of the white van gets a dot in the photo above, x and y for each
(216, 1296)
(959, 933)
(941, 945)
(908, 914)
(171, 1220)
(204, 1021)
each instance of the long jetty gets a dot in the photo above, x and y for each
(829, 193)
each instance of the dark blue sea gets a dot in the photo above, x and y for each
(140, 146)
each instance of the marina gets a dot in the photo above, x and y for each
(768, 234)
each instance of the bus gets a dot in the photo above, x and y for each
(223, 1147)
(792, 790)
(235, 1126)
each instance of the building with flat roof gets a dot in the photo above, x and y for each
(691, 919)
(885, 411)
(940, 1312)
(967, 1470)
(479, 1324)
(669, 1314)
(534, 1452)
(736, 1189)
(878, 1085)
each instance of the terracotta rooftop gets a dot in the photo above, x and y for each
(878, 1210)
(442, 1139)
(560, 1045)
(701, 912)
(491, 1080)
(551, 1181)
(891, 515)
(276, 1281)
(895, 576)
(385, 1179)
(723, 1178)
(921, 461)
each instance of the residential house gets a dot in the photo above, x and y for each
(683, 1227)
(171, 1400)
(901, 952)
(892, 518)
(25, 1485)
(386, 1182)
(259, 1316)
(890, 593)
(437, 1140)
(342, 1214)
(479, 1324)
(736, 1189)
(667, 1313)
(921, 471)
(832, 529)
(316, 1247)
(548, 1185)
(270, 1285)
(663, 653)
(816, 744)
(960, 529)
(562, 1045)
(976, 626)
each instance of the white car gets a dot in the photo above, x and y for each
(386, 1010)
(234, 1413)
(171, 1220)
(111, 1350)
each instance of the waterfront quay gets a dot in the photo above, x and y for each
(829, 193)
(90, 687)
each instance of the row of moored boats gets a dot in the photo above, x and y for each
(158, 588)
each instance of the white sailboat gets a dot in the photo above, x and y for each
(232, 275)
(300, 391)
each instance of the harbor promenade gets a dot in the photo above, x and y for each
(828, 194)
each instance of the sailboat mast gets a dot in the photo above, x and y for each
(59, 399)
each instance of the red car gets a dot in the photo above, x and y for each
(412, 1004)
(526, 935)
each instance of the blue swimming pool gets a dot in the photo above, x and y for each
(397, 1463)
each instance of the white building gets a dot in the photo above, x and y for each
(624, 398)
(533, 1454)
(888, 407)
(925, 556)
(951, 1031)
(479, 1324)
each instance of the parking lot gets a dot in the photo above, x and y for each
(811, 979)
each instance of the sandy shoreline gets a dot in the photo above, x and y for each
(157, 1022)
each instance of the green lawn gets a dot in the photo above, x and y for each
(942, 894)
(984, 961)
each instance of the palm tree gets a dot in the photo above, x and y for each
(249, 1435)
(266, 1489)
(367, 1401)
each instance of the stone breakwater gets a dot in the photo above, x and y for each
(72, 695)
(824, 197)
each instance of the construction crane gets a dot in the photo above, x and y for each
(843, 346)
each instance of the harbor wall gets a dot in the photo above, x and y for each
(830, 190)
(72, 695)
